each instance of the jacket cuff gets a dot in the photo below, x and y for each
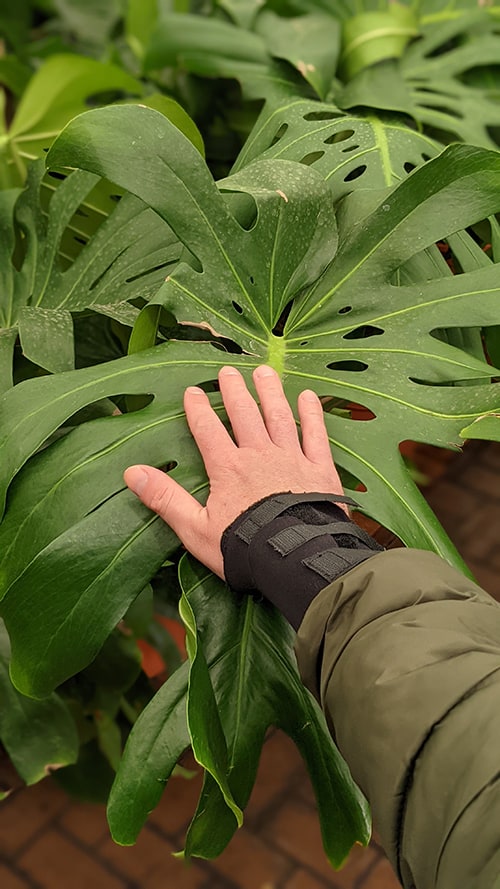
(288, 547)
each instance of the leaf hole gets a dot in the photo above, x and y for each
(280, 324)
(80, 240)
(355, 174)
(304, 342)
(443, 109)
(363, 332)
(237, 307)
(345, 310)
(426, 157)
(349, 410)
(348, 364)
(55, 175)
(312, 157)
(167, 467)
(349, 148)
(131, 404)
(252, 279)
(408, 166)
(144, 273)
(339, 137)
(321, 115)
(115, 197)
(279, 134)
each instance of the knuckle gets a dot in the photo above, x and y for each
(282, 416)
(161, 499)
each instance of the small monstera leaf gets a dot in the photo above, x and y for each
(124, 259)
(431, 84)
(236, 638)
(39, 736)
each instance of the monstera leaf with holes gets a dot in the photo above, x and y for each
(330, 304)
(436, 80)
(124, 259)
(350, 150)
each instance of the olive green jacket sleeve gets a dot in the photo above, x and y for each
(403, 653)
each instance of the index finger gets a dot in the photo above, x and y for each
(211, 436)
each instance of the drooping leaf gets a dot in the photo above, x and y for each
(155, 744)
(248, 706)
(39, 736)
(245, 641)
(206, 732)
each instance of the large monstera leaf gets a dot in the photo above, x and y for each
(124, 259)
(399, 371)
(351, 151)
(236, 638)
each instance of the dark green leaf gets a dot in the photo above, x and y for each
(39, 736)
(264, 689)
(90, 779)
(155, 744)
(311, 43)
(124, 259)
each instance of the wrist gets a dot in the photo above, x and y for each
(288, 547)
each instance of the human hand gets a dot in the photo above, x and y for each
(267, 458)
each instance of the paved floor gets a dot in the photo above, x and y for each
(48, 842)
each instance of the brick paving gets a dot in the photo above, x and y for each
(50, 842)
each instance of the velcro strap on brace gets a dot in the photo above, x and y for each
(274, 506)
(287, 540)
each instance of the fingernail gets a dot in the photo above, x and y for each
(195, 390)
(136, 478)
(264, 371)
(227, 369)
(309, 395)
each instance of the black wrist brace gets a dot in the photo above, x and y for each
(288, 547)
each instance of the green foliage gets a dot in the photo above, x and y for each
(125, 258)
(39, 736)
(237, 639)
(317, 252)
(55, 94)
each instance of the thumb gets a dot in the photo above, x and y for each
(161, 493)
